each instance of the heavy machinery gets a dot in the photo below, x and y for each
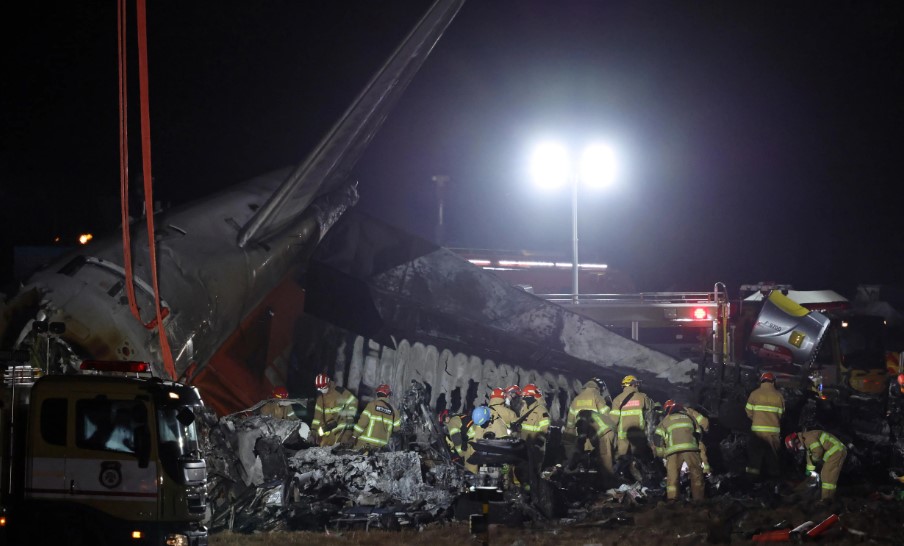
(109, 455)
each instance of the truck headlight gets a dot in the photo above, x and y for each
(176, 540)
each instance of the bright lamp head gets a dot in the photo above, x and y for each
(598, 165)
(550, 165)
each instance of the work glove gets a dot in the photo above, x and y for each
(330, 425)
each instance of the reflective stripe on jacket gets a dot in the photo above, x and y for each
(589, 399)
(765, 407)
(631, 414)
(338, 406)
(378, 420)
(679, 433)
(820, 446)
(536, 424)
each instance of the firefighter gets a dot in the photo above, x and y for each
(377, 422)
(765, 407)
(334, 413)
(534, 426)
(633, 410)
(275, 408)
(822, 449)
(513, 400)
(676, 440)
(703, 426)
(586, 412)
(501, 416)
(481, 420)
(457, 428)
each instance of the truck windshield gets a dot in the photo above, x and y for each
(108, 425)
(178, 432)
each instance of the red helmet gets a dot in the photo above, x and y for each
(767, 376)
(443, 415)
(384, 390)
(792, 442)
(322, 381)
(497, 393)
(280, 392)
(669, 406)
(514, 390)
(531, 390)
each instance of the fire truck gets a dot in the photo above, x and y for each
(106, 456)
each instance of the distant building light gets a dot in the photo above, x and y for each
(514, 263)
(567, 265)
(84, 238)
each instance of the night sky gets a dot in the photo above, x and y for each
(757, 141)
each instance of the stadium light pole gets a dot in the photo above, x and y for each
(552, 167)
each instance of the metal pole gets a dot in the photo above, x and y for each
(440, 181)
(574, 240)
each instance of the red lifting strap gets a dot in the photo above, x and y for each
(168, 362)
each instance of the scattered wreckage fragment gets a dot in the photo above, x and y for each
(266, 476)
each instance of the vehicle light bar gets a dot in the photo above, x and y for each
(122, 366)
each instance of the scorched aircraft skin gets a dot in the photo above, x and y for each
(226, 264)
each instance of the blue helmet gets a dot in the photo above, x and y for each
(480, 415)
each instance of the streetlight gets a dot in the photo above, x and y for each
(551, 166)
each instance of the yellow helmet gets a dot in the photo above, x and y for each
(629, 379)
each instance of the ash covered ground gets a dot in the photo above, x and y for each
(723, 520)
(269, 486)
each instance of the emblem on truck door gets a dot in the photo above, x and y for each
(110, 474)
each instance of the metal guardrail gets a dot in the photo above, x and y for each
(690, 298)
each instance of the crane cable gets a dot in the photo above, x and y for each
(169, 364)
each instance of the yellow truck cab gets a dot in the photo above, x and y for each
(108, 456)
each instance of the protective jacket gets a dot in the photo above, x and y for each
(501, 416)
(279, 409)
(822, 447)
(632, 409)
(376, 424)
(678, 433)
(457, 437)
(536, 420)
(334, 414)
(589, 399)
(765, 407)
(702, 425)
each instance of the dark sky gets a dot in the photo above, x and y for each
(757, 141)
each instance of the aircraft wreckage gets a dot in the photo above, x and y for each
(276, 280)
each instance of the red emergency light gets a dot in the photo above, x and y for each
(700, 313)
(121, 366)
